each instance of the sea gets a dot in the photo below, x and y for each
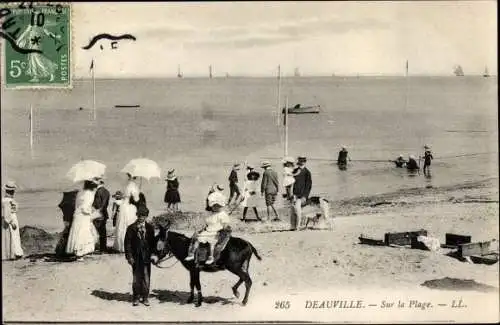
(201, 127)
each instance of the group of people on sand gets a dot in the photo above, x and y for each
(296, 188)
(86, 230)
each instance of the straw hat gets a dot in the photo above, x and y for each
(236, 166)
(289, 160)
(10, 186)
(216, 198)
(344, 148)
(265, 164)
(171, 175)
(400, 156)
(412, 157)
(427, 147)
(250, 166)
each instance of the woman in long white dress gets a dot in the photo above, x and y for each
(83, 234)
(11, 239)
(127, 214)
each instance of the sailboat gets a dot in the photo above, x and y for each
(458, 71)
(486, 74)
(210, 72)
(296, 73)
(179, 74)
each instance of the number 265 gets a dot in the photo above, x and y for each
(282, 304)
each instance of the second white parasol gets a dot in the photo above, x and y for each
(142, 167)
(86, 170)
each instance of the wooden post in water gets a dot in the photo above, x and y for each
(31, 129)
(279, 96)
(93, 92)
(286, 126)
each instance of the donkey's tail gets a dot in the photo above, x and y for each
(255, 252)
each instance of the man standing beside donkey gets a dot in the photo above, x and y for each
(139, 243)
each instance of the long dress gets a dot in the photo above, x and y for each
(11, 239)
(83, 234)
(250, 196)
(126, 216)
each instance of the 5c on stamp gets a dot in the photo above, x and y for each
(37, 45)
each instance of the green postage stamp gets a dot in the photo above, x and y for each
(36, 45)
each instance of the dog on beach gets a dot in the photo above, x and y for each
(317, 212)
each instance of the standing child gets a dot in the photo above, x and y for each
(117, 202)
(288, 179)
(250, 193)
(172, 196)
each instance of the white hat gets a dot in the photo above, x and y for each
(216, 198)
(412, 157)
(400, 156)
(10, 186)
(289, 160)
(427, 146)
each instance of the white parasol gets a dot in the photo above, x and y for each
(142, 167)
(86, 170)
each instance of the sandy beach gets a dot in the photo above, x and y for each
(298, 267)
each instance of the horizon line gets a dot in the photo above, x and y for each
(283, 77)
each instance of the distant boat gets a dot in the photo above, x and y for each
(458, 71)
(179, 74)
(299, 109)
(486, 74)
(296, 73)
(210, 72)
(127, 106)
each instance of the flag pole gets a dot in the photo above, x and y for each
(93, 88)
(286, 127)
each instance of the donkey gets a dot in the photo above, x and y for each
(235, 258)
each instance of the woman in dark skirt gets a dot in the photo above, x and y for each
(172, 196)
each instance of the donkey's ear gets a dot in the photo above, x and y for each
(162, 232)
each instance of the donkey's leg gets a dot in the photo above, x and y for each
(246, 278)
(198, 288)
(191, 285)
(235, 288)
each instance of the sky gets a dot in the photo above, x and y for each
(319, 38)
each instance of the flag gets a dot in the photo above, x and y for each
(92, 65)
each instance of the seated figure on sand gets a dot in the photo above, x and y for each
(217, 220)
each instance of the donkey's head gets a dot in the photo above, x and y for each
(160, 248)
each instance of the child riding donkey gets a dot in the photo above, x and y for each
(217, 220)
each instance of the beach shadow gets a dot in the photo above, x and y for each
(181, 297)
(122, 297)
(454, 284)
(50, 257)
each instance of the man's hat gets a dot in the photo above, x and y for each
(10, 186)
(265, 164)
(427, 147)
(301, 159)
(236, 166)
(249, 166)
(142, 211)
